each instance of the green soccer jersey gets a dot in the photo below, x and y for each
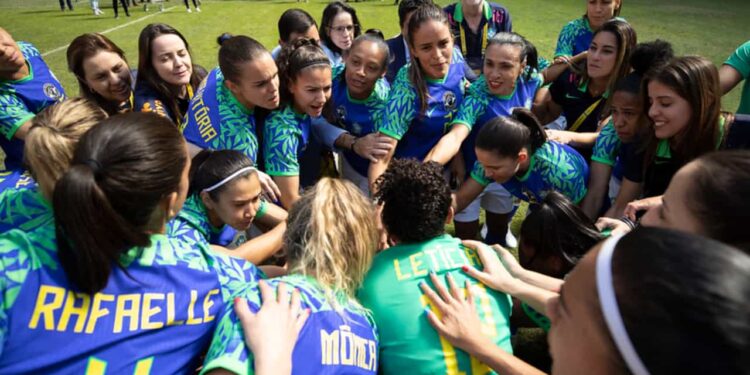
(408, 344)
(740, 60)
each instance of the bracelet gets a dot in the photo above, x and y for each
(628, 222)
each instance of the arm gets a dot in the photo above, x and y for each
(273, 216)
(260, 248)
(560, 65)
(469, 190)
(629, 191)
(546, 110)
(289, 187)
(729, 77)
(572, 138)
(632, 208)
(378, 167)
(598, 188)
(449, 144)
(372, 146)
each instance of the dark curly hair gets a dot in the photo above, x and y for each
(415, 198)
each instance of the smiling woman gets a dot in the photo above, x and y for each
(102, 72)
(166, 74)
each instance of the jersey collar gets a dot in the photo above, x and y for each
(458, 13)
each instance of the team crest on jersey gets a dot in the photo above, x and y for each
(356, 128)
(51, 91)
(449, 100)
(341, 113)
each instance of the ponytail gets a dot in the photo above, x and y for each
(106, 202)
(508, 135)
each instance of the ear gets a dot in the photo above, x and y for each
(207, 201)
(231, 86)
(170, 202)
(451, 214)
(523, 155)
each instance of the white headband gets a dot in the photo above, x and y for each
(610, 309)
(230, 178)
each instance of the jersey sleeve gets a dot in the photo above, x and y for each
(740, 60)
(570, 174)
(472, 107)
(566, 41)
(13, 114)
(325, 132)
(228, 349)
(607, 145)
(280, 149)
(401, 108)
(15, 264)
(477, 173)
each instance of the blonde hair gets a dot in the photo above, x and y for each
(332, 236)
(53, 137)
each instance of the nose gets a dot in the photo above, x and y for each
(360, 71)
(250, 211)
(653, 111)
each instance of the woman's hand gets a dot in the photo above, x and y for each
(373, 146)
(269, 187)
(560, 136)
(494, 274)
(456, 319)
(272, 332)
(632, 209)
(615, 226)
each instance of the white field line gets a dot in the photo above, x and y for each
(58, 49)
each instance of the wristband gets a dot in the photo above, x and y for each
(262, 208)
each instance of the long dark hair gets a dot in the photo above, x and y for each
(684, 300)
(329, 13)
(119, 174)
(695, 79)
(86, 46)
(508, 135)
(423, 14)
(147, 73)
(301, 54)
(559, 233)
(211, 166)
(294, 21)
(626, 41)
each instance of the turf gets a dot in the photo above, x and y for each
(709, 28)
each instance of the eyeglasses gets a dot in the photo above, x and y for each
(343, 29)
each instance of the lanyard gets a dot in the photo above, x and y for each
(464, 48)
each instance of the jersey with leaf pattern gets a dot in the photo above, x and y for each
(553, 166)
(339, 339)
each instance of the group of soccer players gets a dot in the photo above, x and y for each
(285, 211)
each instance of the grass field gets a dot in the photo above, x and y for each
(709, 28)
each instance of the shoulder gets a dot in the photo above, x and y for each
(499, 12)
(337, 72)
(28, 50)
(403, 83)
(281, 118)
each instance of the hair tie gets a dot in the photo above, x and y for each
(94, 165)
(229, 178)
(611, 310)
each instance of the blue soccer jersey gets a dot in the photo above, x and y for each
(552, 167)
(23, 207)
(16, 179)
(480, 106)
(417, 132)
(357, 116)
(216, 120)
(156, 314)
(22, 99)
(286, 135)
(338, 339)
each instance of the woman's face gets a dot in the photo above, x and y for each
(673, 212)
(432, 46)
(602, 56)
(365, 64)
(600, 11)
(627, 112)
(107, 74)
(171, 59)
(259, 83)
(11, 58)
(669, 112)
(341, 30)
(502, 67)
(238, 202)
(311, 90)
(578, 340)
(500, 169)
